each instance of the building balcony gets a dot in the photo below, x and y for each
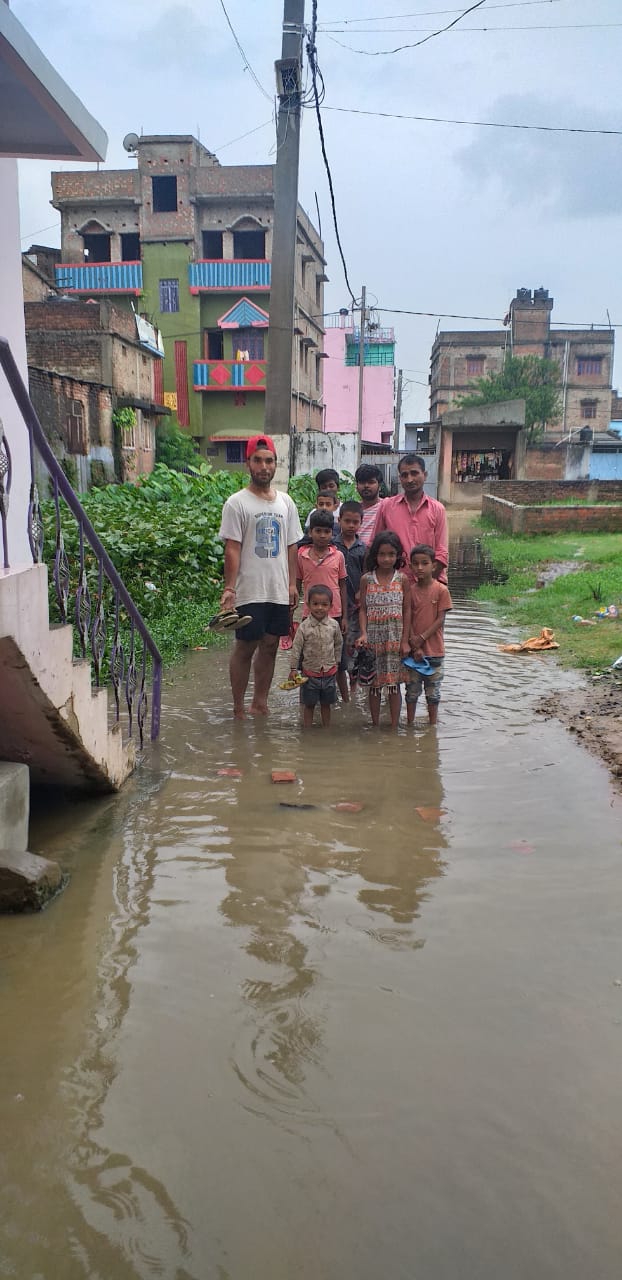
(227, 273)
(229, 375)
(100, 277)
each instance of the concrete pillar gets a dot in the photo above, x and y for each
(12, 328)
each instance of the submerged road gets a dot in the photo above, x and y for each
(255, 1042)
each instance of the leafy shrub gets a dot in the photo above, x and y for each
(303, 490)
(162, 536)
(174, 447)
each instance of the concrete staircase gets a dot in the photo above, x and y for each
(50, 717)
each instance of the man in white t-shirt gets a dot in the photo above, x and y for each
(261, 529)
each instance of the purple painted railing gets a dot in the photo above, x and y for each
(127, 672)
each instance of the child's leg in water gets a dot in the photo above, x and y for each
(374, 705)
(395, 705)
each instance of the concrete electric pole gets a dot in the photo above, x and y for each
(398, 410)
(362, 324)
(281, 331)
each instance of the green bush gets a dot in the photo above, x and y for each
(303, 490)
(162, 536)
(174, 447)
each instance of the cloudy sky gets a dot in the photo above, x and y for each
(434, 217)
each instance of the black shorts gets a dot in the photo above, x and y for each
(322, 689)
(268, 620)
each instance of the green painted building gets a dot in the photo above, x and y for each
(188, 243)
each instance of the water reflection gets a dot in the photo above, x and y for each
(293, 863)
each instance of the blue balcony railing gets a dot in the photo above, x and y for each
(100, 277)
(221, 273)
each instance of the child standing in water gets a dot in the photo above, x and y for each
(430, 603)
(384, 617)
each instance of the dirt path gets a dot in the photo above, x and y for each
(594, 714)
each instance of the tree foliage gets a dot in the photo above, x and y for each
(174, 447)
(530, 378)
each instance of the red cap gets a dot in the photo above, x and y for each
(259, 442)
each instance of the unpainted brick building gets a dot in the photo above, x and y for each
(584, 357)
(85, 361)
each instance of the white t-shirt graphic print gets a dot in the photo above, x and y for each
(265, 530)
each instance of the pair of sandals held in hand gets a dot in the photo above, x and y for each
(229, 620)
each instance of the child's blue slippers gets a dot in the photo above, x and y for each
(424, 667)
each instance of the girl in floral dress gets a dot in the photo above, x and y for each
(384, 616)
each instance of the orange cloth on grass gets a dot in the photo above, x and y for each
(546, 640)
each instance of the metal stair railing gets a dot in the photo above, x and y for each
(128, 673)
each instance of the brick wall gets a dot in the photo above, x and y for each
(534, 519)
(53, 396)
(532, 492)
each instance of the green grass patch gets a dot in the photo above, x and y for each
(597, 583)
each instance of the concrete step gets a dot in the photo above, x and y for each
(52, 719)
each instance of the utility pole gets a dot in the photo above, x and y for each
(398, 411)
(362, 323)
(278, 419)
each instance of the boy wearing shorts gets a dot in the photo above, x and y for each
(317, 647)
(431, 602)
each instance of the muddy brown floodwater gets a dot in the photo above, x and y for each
(256, 1043)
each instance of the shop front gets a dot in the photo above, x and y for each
(479, 444)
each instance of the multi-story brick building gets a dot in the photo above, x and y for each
(584, 357)
(190, 241)
(85, 361)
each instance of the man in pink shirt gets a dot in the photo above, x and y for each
(415, 517)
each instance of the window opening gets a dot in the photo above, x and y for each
(97, 248)
(214, 344)
(249, 342)
(589, 364)
(233, 452)
(164, 194)
(588, 408)
(212, 244)
(169, 295)
(76, 430)
(249, 244)
(474, 366)
(130, 246)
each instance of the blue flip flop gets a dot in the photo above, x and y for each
(424, 667)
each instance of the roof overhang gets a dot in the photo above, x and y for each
(231, 433)
(40, 117)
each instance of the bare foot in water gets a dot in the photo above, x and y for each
(239, 713)
(256, 709)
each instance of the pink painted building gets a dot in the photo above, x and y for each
(341, 379)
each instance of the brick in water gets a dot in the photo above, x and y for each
(348, 806)
(283, 775)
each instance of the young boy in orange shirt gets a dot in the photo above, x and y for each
(321, 564)
(431, 602)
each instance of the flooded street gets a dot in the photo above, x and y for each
(256, 1042)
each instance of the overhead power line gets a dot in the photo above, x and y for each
(428, 13)
(441, 30)
(480, 124)
(380, 53)
(447, 315)
(318, 91)
(39, 231)
(243, 55)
